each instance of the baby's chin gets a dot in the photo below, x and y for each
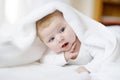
(58, 51)
(61, 51)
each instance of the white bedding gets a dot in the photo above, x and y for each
(108, 72)
(38, 71)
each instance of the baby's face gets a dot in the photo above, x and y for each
(59, 36)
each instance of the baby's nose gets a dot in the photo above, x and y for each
(60, 38)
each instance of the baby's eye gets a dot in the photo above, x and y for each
(51, 39)
(62, 29)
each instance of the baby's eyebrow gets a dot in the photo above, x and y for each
(59, 27)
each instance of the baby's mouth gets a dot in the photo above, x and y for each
(65, 45)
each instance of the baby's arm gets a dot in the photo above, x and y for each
(69, 56)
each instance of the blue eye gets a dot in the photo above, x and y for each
(51, 39)
(62, 29)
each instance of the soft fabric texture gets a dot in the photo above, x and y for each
(52, 58)
(38, 71)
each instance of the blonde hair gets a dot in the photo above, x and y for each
(46, 21)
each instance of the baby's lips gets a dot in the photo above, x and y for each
(65, 44)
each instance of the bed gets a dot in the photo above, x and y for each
(38, 71)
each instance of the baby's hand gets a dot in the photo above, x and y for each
(82, 69)
(71, 54)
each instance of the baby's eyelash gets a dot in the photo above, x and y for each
(62, 29)
(51, 39)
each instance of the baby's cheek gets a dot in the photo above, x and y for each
(56, 49)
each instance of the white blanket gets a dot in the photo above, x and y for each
(38, 71)
(21, 46)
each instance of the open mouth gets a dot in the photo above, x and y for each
(64, 45)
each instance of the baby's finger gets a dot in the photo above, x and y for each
(73, 47)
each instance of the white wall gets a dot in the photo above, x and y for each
(1, 11)
(85, 6)
(16, 9)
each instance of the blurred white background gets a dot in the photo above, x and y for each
(13, 10)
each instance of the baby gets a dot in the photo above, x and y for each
(89, 46)
(57, 34)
